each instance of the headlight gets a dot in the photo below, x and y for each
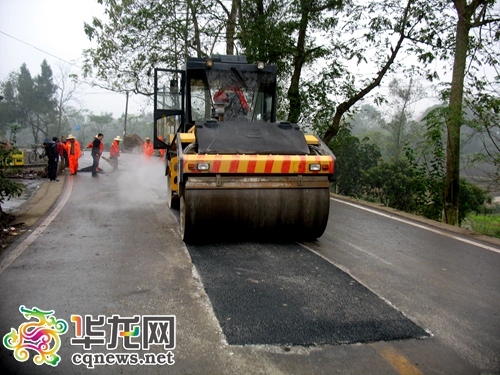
(203, 166)
(315, 167)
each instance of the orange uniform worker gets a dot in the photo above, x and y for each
(147, 148)
(114, 152)
(74, 153)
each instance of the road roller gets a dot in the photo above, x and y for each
(231, 167)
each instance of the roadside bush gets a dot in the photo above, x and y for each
(354, 156)
(395, 184)
(407, 184)
(8, 187)
(472, 200)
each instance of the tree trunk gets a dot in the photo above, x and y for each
(298, 63)
(231, 28)
(454, 120)
(191, 14)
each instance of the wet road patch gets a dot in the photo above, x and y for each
(283, 294)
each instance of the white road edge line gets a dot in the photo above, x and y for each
(38, 231)
(478, 244)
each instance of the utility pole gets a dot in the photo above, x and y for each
(126, 115)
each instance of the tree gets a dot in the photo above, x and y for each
(8, 107)
(398, 126)
(389, 25)
(98, 123)
(322, 86)
(367, 118)
(425, 28)
(483, 118)
(67, 85)
(474, 14)
(305, 51)
(8, 187)
(142, 35)
(30, 102)
(355, 158)
(45, 102)
(140, 124)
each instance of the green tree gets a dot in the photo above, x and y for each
(466, 34)
(139, 36)
(99, 123)
(484, 124)
(310, 19)
(8, 187)
(8, 107)
(404, 94)
(388, 29)
(395, 184)
(427, 162)
(469, 15)
(142, 35)
(354, 157)
(30, 102)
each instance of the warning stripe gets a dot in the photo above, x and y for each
(265, 164)
(269, 166)
(252, 163)
(302, 165)
(285, 166)
(216, 163)
(233, 167)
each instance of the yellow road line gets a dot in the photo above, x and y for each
(397, 361)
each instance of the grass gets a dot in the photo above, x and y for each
(485, 224)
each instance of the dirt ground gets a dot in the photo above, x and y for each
(10, 234)
(9, 231)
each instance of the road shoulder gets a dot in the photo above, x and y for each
(450, 228)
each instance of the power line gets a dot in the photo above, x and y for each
(39, 49)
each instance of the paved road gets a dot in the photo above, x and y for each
(446, 282)
(111, 247)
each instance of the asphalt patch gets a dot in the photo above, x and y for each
(283, 294)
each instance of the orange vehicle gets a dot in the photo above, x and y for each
(230, 165)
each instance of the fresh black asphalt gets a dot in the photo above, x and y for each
(283, 294)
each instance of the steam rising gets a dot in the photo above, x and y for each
(138, 181)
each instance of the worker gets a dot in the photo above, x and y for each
(74, 153)
(60, 152)
(162, 150)
(234, 100)
(101, 150)
(147, 148)
(53, 157)
(65, 153)
(97, 147)
(114, 152)
(101, 147)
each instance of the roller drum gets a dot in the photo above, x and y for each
(292, 213)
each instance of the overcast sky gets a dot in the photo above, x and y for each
(34, 30)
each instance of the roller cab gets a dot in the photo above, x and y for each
(230, 166)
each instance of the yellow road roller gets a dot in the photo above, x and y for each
(231, 167)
